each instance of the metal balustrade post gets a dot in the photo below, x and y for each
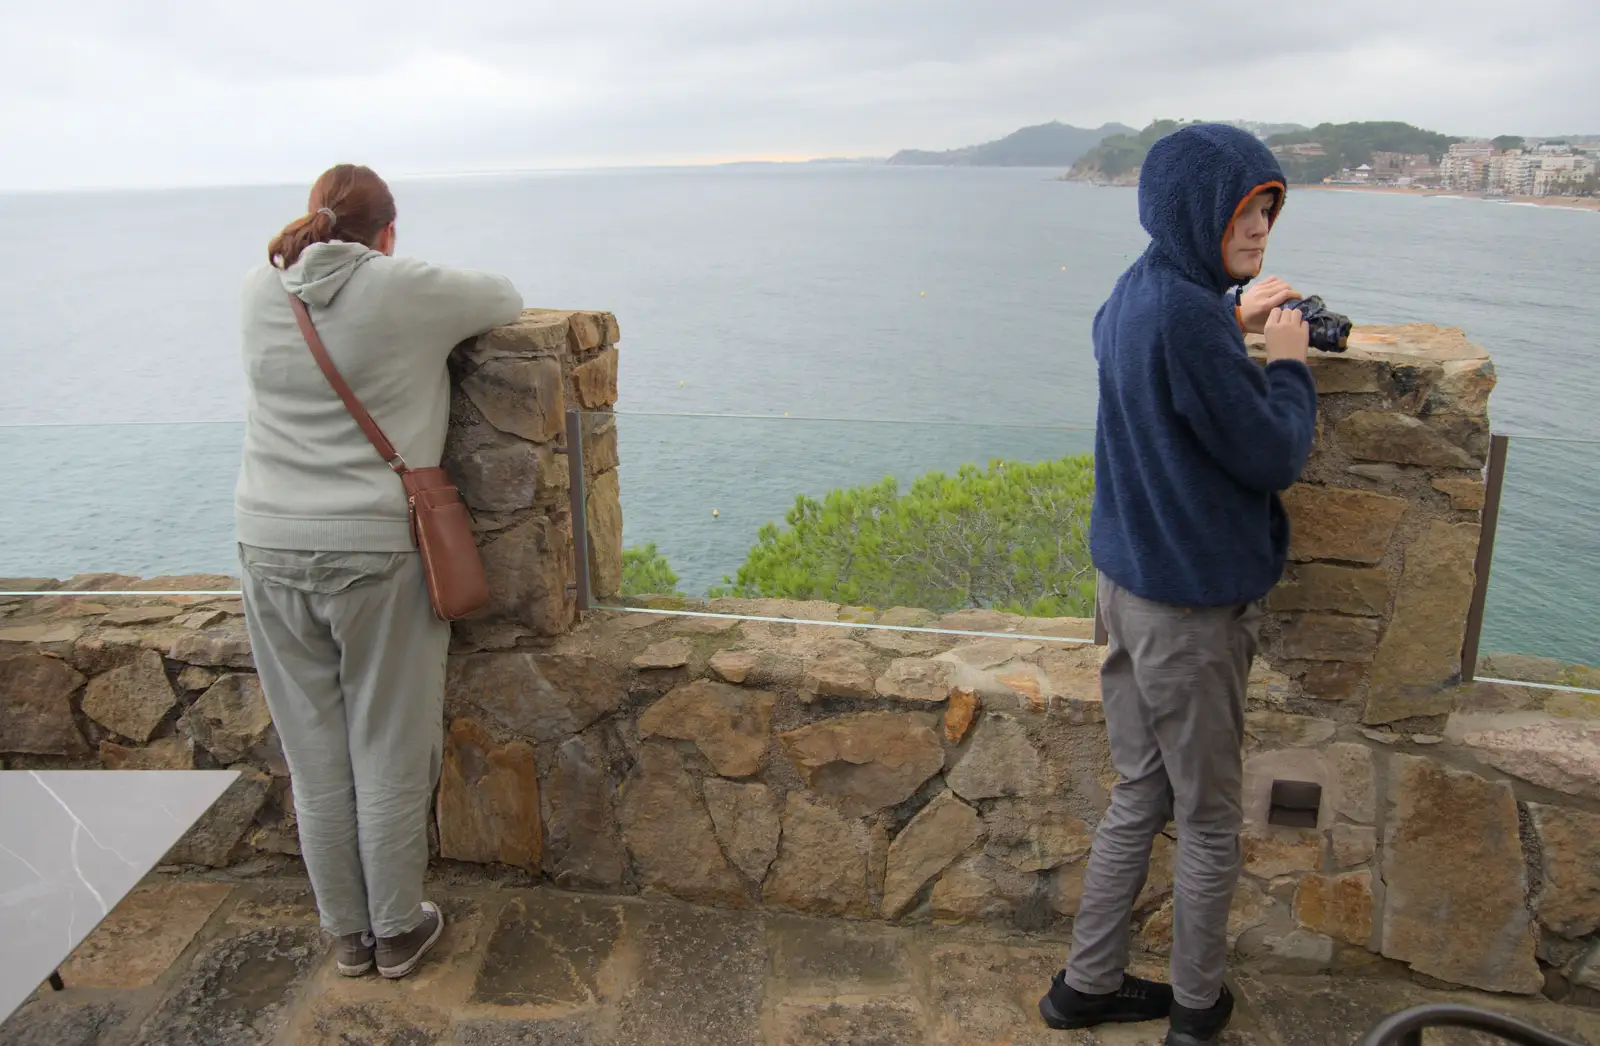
(1493, 480)
(577, 494)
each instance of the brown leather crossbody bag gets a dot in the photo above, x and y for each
(440, 523)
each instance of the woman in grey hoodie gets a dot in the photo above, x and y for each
(351, 656)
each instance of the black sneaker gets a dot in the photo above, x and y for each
(1136, 1001)
(1197, 1027)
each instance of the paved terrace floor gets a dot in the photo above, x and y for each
(220, 962)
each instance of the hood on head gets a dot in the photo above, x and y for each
(322, 270)
(1193, 184)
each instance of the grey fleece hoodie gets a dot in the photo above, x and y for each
(310, 480)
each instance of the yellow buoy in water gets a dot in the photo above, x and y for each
(924, 294)
(715, 514)
(680, 384)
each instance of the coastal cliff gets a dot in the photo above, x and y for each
(1116, 160)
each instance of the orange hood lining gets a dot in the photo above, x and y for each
(1277, 208)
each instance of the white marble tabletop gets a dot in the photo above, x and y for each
(73, 843)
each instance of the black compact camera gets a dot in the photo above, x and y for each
(1330, 331)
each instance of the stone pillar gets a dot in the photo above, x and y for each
(1372, 611)
(511, 389)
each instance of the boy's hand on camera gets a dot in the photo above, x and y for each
(1288, 335)
(1260, 299)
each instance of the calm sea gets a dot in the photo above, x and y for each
(938, 316)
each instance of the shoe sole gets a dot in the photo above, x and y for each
(355, 971)
(396, 972)
(1175, 1038)
(1054, 1020)
(1183, 1038)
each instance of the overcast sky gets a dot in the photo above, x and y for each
(170, 92)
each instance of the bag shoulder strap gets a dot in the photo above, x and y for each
(379, 441)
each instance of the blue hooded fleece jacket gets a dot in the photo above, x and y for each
(1193, 440)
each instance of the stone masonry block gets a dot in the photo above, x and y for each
(536, 332)
(1339, 906)
(1463, 388)
(529, 567)
(131, 700)
(1466, 493)
(825, 862)
(868, 761)
(729, 724)
(36, 706)
(1325, 586)
(1374, 436)
(1568, 901)
(1329, 637)
(595, 382)
(1421, 650)
(603, 518)
(670, 835)
(1455, 906)
(489, 799)
(520, 396)
(600, 451)
(501, 473)
(1340, 523)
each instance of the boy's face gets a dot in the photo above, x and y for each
(1246, 245)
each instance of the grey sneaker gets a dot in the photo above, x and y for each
(398, 956)
(355, 953)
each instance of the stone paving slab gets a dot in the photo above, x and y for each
(827, 957)
(689, 975)
(240, 990)
(144, 935)
(547, 952)
(850, 1021)
(78, 1021)
(534, 967)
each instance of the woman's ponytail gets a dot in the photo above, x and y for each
(347, 203)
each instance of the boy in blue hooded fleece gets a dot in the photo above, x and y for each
(1194, 441)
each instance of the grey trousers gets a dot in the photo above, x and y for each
(1173, 684)
(352, 661)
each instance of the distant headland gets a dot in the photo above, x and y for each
(1388, 155)
(1043, 145)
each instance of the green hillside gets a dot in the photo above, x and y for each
(1352, 144)
(1116, 160)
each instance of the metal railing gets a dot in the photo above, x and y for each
(1494, 480)
(1406, 1028)
(1501, 496)
(1489, 521)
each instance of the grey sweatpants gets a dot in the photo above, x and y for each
(352, 661)
(1173, 685)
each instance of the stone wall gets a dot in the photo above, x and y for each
(511, 390)
(840, 770)
(1371, 616)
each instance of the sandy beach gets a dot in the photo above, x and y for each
(1578, 203)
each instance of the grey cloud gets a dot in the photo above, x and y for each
(105, 91)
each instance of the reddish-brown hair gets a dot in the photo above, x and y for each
(362, 208)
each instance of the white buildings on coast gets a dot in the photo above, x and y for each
(1548, 169)
(1552, 168)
